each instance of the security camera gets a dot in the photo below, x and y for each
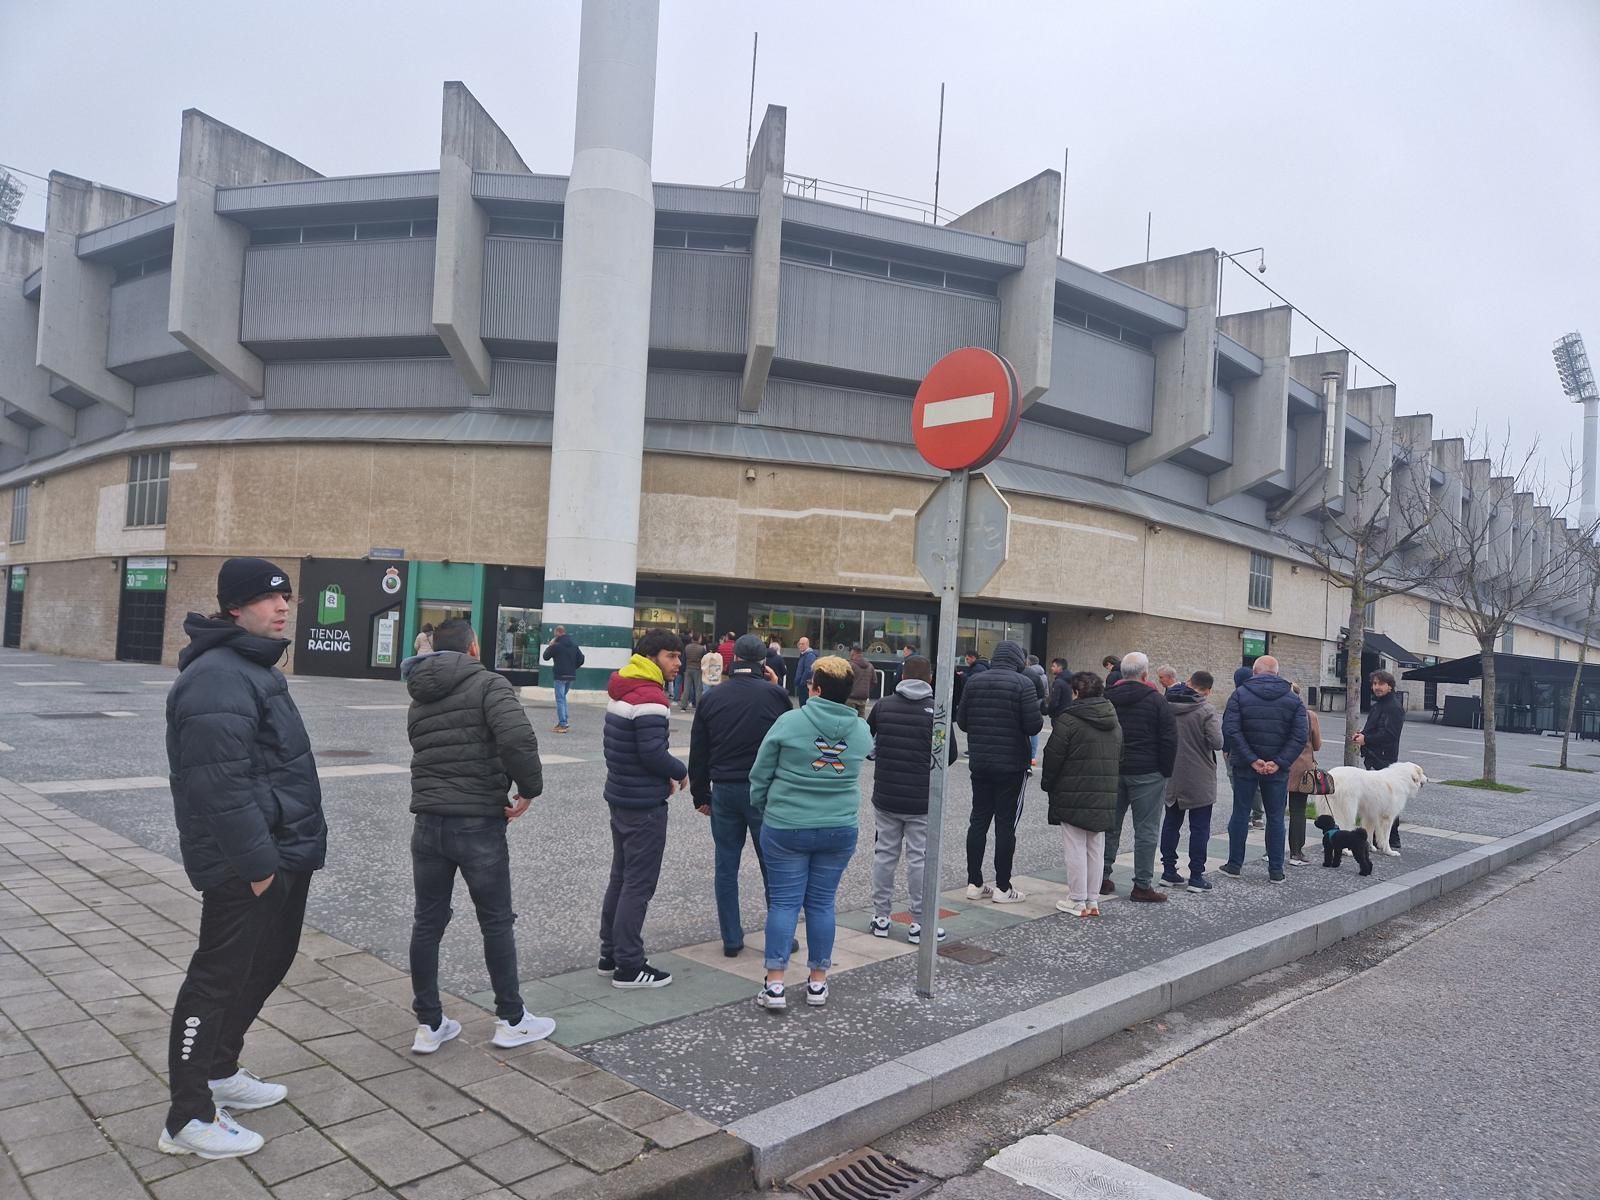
(1261, 267)
(1111, 616)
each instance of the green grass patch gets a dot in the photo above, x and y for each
(1484, 785)
(1559, 767)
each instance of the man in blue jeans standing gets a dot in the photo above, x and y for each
(728, 730)
(470, 744)
(565, 658)
(1263, 729)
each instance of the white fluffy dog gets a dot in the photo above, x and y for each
(1376, 798)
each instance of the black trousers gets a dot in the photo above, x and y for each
(247, 944)
(996, 799)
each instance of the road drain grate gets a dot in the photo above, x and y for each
(864, 1175)
(966, 952)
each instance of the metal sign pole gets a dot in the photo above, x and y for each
(943, 724)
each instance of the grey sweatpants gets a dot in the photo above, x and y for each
(895, 831)
(638, 838)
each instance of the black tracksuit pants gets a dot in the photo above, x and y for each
(996, 800)
(247, 944)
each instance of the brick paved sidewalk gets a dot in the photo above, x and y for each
(96, 934)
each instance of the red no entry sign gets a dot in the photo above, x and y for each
(966, 409)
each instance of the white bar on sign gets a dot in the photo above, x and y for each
(958, 410)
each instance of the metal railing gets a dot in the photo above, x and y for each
(866, 199)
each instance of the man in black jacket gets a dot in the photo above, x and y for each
(250, 828)
(470, 742)
(902, 737)
(1379, 738)
(1000, 712)
(564, 658)
(1149, 749)
(1060, 687)
(728, 730)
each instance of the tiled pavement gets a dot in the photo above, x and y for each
(96, 933)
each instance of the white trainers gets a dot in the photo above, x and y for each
(914, 934)
(880, 927)
(979, 891)
(429, 1039)
(1009, 896)
(529, 1029)
(771, 997)
(222, 1138)
(1073, 908)
(243, 1092)
(817, 994)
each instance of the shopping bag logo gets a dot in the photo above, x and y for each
(330, 606)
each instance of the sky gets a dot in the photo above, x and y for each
(1423, 176)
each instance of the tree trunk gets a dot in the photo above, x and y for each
(1577, 676)
(1486, 656)
(1355, 643)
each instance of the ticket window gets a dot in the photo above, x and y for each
(516, 645)
(437, 612)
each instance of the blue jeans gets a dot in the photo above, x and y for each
(732, 819)
(476, 846)
(1274, 792)
(1199, 835)
(804, 867)
(563, 686)
(1033, 747)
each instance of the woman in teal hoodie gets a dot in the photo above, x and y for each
(806, 784)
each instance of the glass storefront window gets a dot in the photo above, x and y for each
(516, 639)
(437, 612)
(680, 616)
(786, 624)
(841, 629)
(984, 635)
(886, 632)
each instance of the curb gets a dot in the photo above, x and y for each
(852, 1112)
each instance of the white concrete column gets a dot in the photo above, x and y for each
(607, 254)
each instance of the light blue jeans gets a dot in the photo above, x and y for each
(563, 686)
(804, 867)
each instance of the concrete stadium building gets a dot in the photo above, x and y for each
(358, 377)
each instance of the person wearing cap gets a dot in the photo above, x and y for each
(723, 741)
(251, 832)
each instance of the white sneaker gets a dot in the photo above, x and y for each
(914, 935)
(222, 1138)
(817, 994)
(1073, 908)
(977, 891)
(880, 927)
(243, 1092)
(1009, 896)
(429, 1039)
(771, 997)
(529, 1029)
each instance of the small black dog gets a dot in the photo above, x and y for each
(1336, 841)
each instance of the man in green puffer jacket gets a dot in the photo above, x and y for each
(1082, 763)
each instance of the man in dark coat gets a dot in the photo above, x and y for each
(902, 733)
(248, 807)
(1113, 669)
(727, 731)
(564, 658)
(1149, 748)
(803, 666)
(1379, 738)
(470, 744)
(1000, 712)
(1264, 728)
(1060, 687)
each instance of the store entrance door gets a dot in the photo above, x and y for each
(15, 595)
(142, 615)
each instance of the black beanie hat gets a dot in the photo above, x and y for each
(242, 580)
(750, 648)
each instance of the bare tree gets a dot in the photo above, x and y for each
(1588, 558)
(1498, 558)
(1376, 547)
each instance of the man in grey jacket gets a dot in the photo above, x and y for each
(1192, 789)
(470, 742)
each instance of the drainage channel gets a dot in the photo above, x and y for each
(862, 1175)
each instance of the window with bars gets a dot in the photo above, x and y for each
(1260, 580)
(19, 513)
(1435, 612)
(147, 488)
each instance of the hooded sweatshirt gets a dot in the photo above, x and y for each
(245, 792)
(1193, 783)
(807, 774)
(639, 770)
(470, 738)
(1000, 712)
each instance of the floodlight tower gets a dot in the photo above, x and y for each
(1577, 381)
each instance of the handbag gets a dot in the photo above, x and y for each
(1314, 781)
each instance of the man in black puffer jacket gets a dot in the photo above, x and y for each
(1000, 712)
(902, 733)
(471, 741)
(250, 828)
(728, 730)
(1149, 748)
(1264, 728)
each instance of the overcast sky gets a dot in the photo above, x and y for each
(1425, 176)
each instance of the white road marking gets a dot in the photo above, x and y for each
(49, 683)
(362, 769)
(63, 787)
(156, 682)
(1463, 741)
(120, 713)
(1477, 839)
(6, 746)
(378, 707)
(1442, 754)
(1068, 1170)
(958, 410)
(559, 759)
